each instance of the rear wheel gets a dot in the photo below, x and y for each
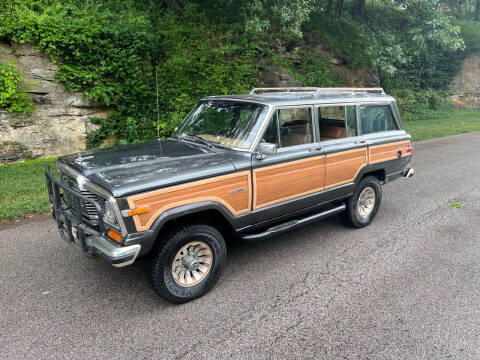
(362, 207)
(188, 263)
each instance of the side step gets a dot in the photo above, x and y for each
(292, 224)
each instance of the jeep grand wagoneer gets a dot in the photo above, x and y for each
(244, 166)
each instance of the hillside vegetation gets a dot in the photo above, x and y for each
(128, 53)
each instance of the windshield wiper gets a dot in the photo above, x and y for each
(210, 144)
(202, 140)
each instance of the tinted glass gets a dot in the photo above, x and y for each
(376, 118)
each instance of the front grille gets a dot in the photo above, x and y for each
(88, 210)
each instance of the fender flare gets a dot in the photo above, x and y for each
(190, 209)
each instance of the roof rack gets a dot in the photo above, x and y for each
(315, 89)
(282, 89)
(370, 90)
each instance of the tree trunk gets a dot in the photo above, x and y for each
(329, 7)
(339, 10)
(359, 8)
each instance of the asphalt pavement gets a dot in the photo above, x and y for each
(406, 287)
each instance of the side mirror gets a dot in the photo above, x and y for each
(266, 149)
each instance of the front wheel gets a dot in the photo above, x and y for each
(188, 263)
(364, 203)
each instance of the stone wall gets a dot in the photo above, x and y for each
(276, 76)
(466, 85)
(60, 122)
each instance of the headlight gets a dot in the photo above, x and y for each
(110, 213)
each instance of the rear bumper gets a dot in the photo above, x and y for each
(409, 173)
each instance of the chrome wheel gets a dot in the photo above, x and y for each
(366, 202)
(192, 263)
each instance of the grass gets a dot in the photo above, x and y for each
(454, 205)
(23, 189)
(461, 121)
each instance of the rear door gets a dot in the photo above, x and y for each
(288, 181)
(345, 150)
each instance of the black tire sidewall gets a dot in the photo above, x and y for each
(372, 182)
(162, 278)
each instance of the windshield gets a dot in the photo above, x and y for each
(229, 124)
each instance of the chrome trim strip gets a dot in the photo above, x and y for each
(262, 128)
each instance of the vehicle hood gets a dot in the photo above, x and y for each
(135, 168)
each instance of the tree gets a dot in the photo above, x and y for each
(359, 8)
(329, 7)
(339, 9)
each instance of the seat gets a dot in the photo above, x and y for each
(332, 132)
(295, 135)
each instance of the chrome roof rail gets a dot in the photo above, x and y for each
(316, 89)
(282, 89)
(352, 89)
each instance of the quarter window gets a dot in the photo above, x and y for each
(376, 118)
(337, 122)
(290, 127)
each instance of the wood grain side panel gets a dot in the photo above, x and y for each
(278, 183)
(218, 189)
(387, 152)
(343, 167)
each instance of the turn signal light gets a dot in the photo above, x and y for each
(410, 149)
(138, 211)
(114, 235)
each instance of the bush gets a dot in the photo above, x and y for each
(12, 96)
(425, 104)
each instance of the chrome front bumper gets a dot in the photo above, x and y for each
(118, 256)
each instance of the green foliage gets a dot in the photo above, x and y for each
(283, 15)
(314, 71)
(12, 96)
(471, 35)
(111, 51)
(425, 104)
(199, 59)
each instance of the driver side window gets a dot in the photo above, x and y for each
(290, 127)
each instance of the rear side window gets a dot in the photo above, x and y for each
(337, 122)
(376, 118)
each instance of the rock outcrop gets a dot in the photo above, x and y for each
(466, 85)
(61, 120)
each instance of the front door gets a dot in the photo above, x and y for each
(297, 170)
